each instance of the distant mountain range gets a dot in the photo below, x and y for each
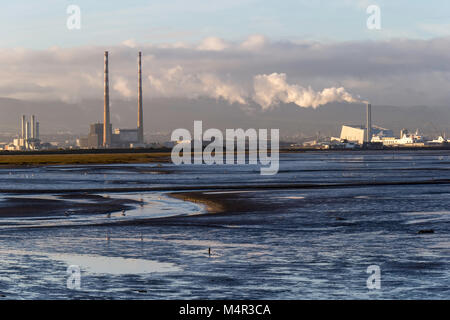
(164, 115)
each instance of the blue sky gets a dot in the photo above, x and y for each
(257, 55)
(42, 24)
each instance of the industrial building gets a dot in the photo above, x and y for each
(406, 139)
(354, 134)
(371, 134)
(101, 135)
(439, 140)
(361, 134)
(28, 137)
(358, 134)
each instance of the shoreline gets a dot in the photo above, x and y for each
(19, 159)
(29, 160)
(226, 202)
(211, 206)
(35, 207)
(211, 188)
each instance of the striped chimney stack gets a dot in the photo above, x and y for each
(106, 118)
(140, 124)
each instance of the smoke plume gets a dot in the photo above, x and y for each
(175, 82)
(268, 90)
(271, 90)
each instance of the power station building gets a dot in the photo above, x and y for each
(358, 134)
(364, 134)
(95, 137)
(29, 136)
(355, 134)
(381, 136)
(101, 135)
(406, 138)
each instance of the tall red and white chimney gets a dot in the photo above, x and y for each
(106, 117)
(140, 124)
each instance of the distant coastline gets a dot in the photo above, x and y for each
(145, 155)
(78, 157)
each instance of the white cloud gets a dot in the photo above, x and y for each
(254, 42)
(121, 86)
(212, 44)
(360, 4)
(396, 72)
(130, 43)
(435, 29)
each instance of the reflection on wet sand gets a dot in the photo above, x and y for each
(89, 209)
(221, 232)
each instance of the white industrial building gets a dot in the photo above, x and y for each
(354, 134)
(358, 134)
(406, 138)
(439, 140)
(29, 136)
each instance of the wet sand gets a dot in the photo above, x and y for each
(217, 200)
(86, 204)
(309, 232)
(212, 205)
(241, 187)
(231, 202)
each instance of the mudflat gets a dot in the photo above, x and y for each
(67, 159)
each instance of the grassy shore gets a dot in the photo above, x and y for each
(69, 159)
(98, 156)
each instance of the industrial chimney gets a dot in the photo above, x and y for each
(140, 124)
(27, 130)
(36, 131)
(33, 126)
(106, 118)
(369, 123)
(23, 127)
